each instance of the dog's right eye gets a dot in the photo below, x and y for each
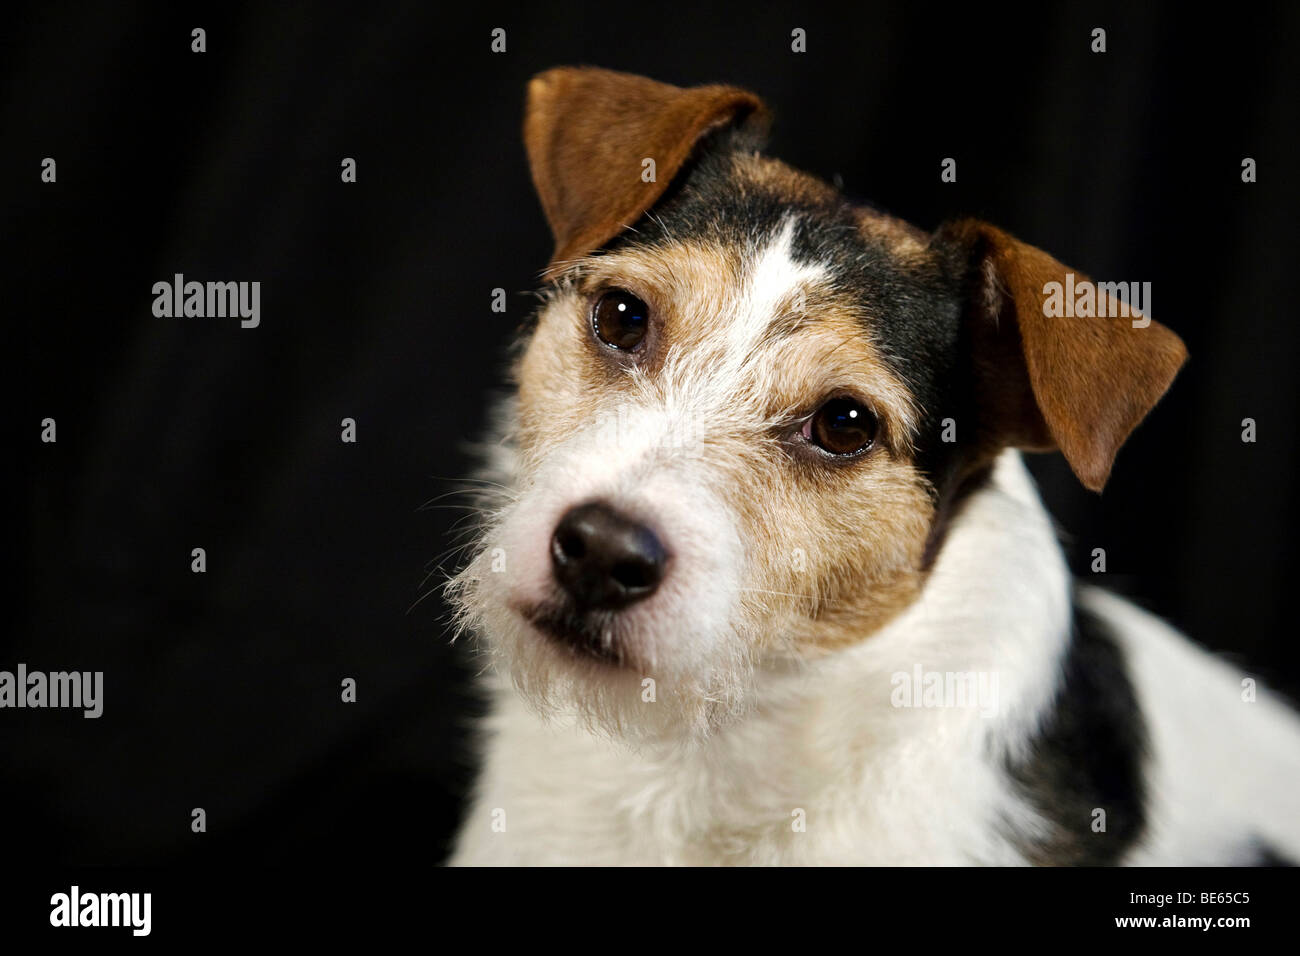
(620, 319)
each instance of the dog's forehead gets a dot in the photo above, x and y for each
(740, 224)
(743, 200)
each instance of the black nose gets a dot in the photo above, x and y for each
(605, 560)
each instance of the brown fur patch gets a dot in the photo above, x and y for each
(777, 177)
(589, 132)
(905, 242)
(1078, 384)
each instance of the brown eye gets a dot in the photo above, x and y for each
(841, 427)
(620, 319)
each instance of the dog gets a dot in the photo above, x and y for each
(760, 576)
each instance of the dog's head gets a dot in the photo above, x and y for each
(747, 404)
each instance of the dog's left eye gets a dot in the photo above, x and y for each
(620, 319)
(842, 426)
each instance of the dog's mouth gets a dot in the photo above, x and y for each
(592, 636)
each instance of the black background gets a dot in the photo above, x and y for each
(222, 690)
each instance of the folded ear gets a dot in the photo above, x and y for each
(589, 132)
(1053, 371)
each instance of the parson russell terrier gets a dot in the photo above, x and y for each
(761, 477)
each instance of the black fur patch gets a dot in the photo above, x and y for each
(1088, 754)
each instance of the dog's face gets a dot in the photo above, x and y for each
(747, 406)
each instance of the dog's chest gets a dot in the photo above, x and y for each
(787, 789)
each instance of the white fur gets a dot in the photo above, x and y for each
(683, 636)
(775, 276)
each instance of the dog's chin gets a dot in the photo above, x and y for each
(610, 673)
(590, 638)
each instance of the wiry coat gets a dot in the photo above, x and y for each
(786, 694)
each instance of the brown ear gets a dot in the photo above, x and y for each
(588, 132)
(1052, 372)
